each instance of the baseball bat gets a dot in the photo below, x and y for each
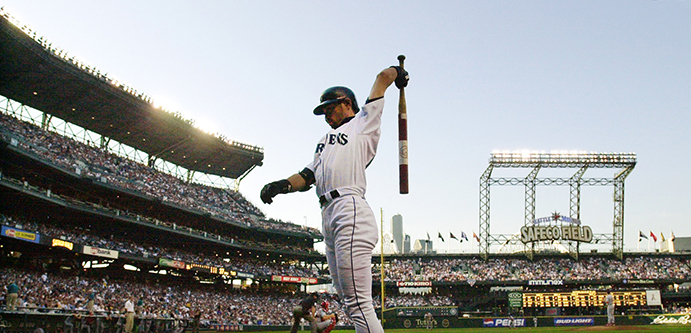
(402, 137)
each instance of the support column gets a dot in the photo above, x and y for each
(529, 183)
(483, 245)
(618, 222)
(575, 206)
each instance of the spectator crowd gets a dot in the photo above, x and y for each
(98, 163)
(122, 243)
(519, 269)
(61, 293)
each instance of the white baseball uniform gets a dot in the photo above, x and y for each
(348, 223)
(609, 301)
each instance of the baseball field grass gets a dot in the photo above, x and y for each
(650, 328)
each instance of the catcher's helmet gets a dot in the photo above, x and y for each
(336, 95)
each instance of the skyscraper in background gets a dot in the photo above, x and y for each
(397, 232)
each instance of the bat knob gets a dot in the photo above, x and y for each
(401, 57)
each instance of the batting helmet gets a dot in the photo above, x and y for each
(336, 95)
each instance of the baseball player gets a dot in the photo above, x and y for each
(319, 323)
(327, 320)
(429, 321)
(338, 171)
(305, 310)
(609, 301)
(323, 313)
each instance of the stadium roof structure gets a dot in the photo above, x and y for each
(35, 74)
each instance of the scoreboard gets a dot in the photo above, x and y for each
(582, 298)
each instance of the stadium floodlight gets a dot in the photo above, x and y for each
(536, 161)
(561, 158)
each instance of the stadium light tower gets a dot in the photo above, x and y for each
(579, 160)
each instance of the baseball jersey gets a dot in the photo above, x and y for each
(321, 312)
(343, 154)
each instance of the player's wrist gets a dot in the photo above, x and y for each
(284, 186)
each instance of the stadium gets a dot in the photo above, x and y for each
(107, 198)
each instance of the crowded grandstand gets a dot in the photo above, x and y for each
(85, 227)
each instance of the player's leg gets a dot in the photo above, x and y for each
(297, 317)
(313, 323)
(326, 326)
(328, 232)
(356, 234)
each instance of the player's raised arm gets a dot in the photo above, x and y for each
(385, 78)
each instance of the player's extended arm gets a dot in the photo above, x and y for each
(385, 78)
(300, 181)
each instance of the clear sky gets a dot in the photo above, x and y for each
(606, 76)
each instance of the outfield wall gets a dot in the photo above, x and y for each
(15, 322)
(499, 321)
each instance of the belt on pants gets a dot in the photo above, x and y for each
(324, 199)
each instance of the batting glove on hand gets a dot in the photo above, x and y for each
(272, 189)
(402, 77)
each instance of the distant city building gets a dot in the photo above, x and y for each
(681, 245)
(406, 244)
(397, 232)
(423, 246)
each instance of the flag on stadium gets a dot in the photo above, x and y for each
(672, 239)
(653, 236)
(464, 236)
(662, 237)
(452, 236)
(476, 237)
(641, 235)
(428, 240)
(440, 236)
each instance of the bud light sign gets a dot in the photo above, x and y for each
(577, 321)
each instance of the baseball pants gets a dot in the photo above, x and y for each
(610, 314)
(350, 234)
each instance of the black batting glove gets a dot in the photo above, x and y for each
(402, 77)
(272, 189)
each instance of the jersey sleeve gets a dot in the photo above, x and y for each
(370, 116)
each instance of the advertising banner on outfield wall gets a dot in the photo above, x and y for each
(503, 322)
(420, 322)
(672, 319)
(574, 321)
